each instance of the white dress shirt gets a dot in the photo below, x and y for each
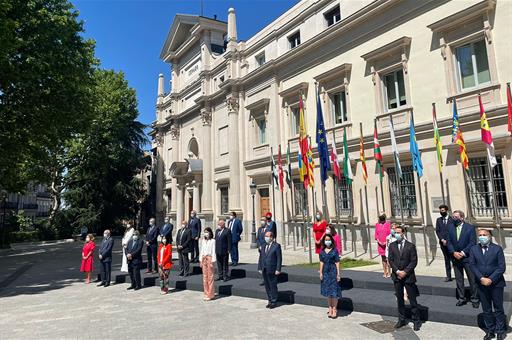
(207, 249)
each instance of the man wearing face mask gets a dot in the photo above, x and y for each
(461, 237)
(442, 224)
(184, 244)
(260, 240)
(152, 246)
(105, 255)
(271, 225)
(134, 256)
(269, 266)
(319, 228)
(223, 239)
(166, 230)
(487, 262)
(194, 225)
(403, 259)
(236, 228)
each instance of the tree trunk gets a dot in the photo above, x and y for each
(55, 192)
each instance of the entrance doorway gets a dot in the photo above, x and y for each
(264, 201)
(190, 204)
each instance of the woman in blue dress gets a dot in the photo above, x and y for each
(330, 275)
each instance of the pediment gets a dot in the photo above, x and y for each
(179, 32)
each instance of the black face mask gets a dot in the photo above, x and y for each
(444, 213)
(382, 218)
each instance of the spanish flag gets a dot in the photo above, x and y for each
(303, 146)
(486, 134)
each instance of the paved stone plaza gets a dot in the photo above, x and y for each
(42, 297)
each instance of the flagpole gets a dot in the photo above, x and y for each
(292, 198)
(324, 196)
(367, 219)
(380, 175)
(441, 169)
(497, 216)
(281, 189)
(272, 182)
(392, 126)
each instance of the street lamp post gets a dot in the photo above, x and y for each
(252, 186)
(3, 196)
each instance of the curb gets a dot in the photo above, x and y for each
(25, 245)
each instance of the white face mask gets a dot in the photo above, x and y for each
(268, 239)
(183, 225)
(105, 235)
(263, 223)
(328, 231)
(231, 217)
(206, 235)
(164, 241)
(88, 239)
(135, 237)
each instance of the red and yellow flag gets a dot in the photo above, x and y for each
(303, 146)
(362, 158)
(486, 134)
(458, 139)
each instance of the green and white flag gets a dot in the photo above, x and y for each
(347, 168)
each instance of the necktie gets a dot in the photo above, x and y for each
(400, 246)
(459, 229)
(266, 249)
(484, 249)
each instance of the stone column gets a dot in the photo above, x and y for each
(175, 133)
(206, 199)
(196, 198)
(234, 159)
(179, 203)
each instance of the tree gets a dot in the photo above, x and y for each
(100, 183)
(46, 73)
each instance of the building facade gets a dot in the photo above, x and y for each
(231, 103)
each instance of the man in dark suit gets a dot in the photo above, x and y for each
(403, 258)
(487, 262)
(271, 225)
(442, 224)
(223, 240)
(269, 266)
(195, 227)
(236, 228)
(134, 256)
(260, 235)
(152, 246)
(105, 255)
(184, 244)
(166, 230)
(461, 237)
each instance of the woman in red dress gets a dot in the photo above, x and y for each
(319, 231)
(88, 257)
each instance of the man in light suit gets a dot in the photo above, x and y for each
(461, 237)
(269, 266)
(166, 230)
(403, 258)
(487, 262)
(442, 224)
(105, 256)
(133, 252)
(184, 244)
(194, 225)
(152, 246)
(223, 240)
(235, 225)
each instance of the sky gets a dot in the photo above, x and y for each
(129, 34)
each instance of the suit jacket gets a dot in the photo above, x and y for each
(152, 234)
(106, 249)
(184, 239)
(166, 231)
(270, 260)
(272, 226)
(260, 240)
(164, 258)
(491, 265)
(442, 229)
(223, 240)
(406, 261)
(236, 229)
(195, 227)
(466, 240)
(135, 249)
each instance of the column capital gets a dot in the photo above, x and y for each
(175, 132)
(232, 103)
(159, 139)
(206, 117)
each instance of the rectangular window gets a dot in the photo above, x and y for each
(394, 88)
(339, 107)
(295, 121)
(223, 142)
(260, 59)
(294, 40)
(224, 200)
(333, 16)
(472, 65)
(261, 124)
(480, 192)
(299, 199)
(343, 198)
(407, 192)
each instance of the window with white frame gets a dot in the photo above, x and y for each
(224, 200)
(260, 59)
(295, 120)
(394, 89)
(472, 65)
(407, 192)
(338, 107)
(294, 39)
(333, 16)
(261, 129)
(343, 197)
(480, 190)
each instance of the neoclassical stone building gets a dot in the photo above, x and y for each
(231, 102)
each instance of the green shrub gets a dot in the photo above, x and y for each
(46, 231)
(24, 236)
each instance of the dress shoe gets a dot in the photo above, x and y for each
(268, 305)
(234, 264)
(272, 306)
(218, 279)
(101, 284)
(106, 285)
(137, 288)
(180, 274)
(400, 324)
(262, 284)
(448, 279)
(476, 304)
(226, 279)
(154, 272)
(460, 303)
(130, 288)
(502, 336)
(489, 336)
(417, 326)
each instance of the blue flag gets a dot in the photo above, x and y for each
(321, 141)
(415, 151)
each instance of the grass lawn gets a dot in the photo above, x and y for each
(345, 263)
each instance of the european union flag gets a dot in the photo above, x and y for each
(415, 151)
(321, 141)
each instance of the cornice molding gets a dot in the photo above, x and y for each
(461, 16)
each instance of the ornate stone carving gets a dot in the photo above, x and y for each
(206, 117)
(159, 139)
(175, 132)
(374, 75)
(404, 63)
(232, 103)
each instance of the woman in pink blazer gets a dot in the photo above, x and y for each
(331, 230)
(382, 230)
